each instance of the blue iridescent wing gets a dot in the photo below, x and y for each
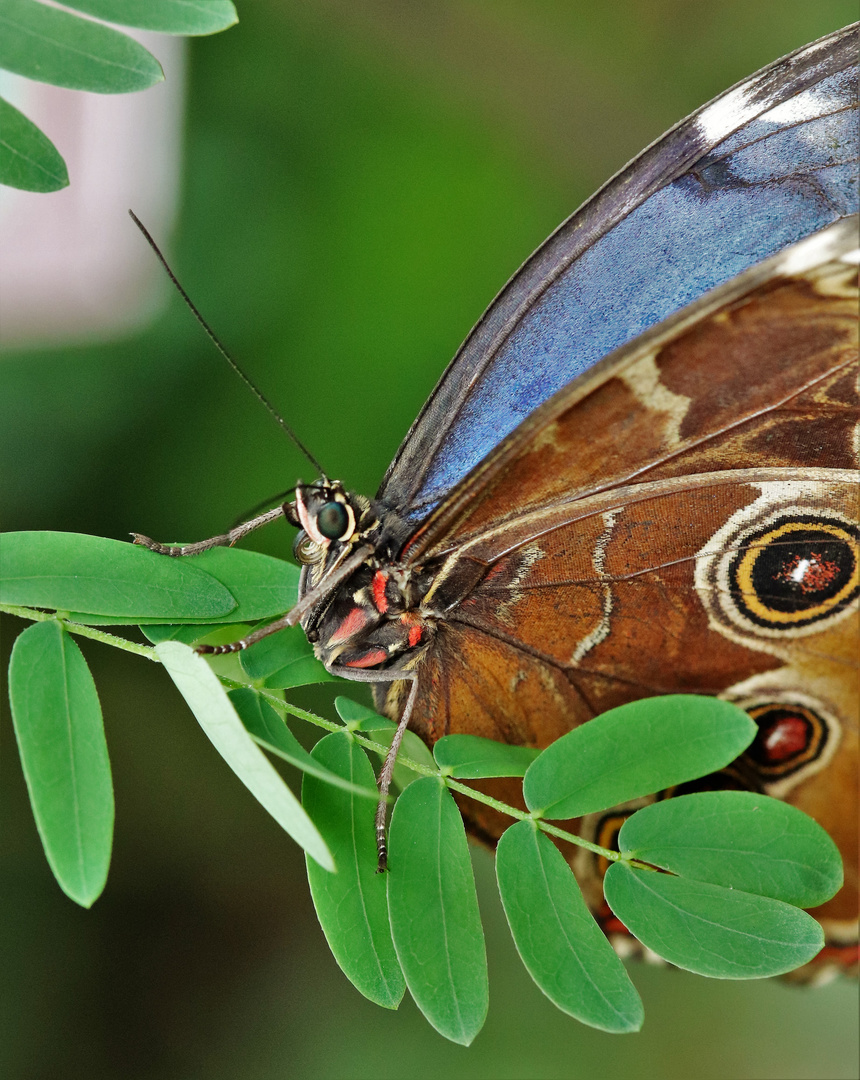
(765, 164)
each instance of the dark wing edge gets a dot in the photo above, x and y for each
(684, 144)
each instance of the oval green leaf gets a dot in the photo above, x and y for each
(358, 716)
(260, 585)
(470, 757)
(214, 711)
(28, 158)
(284, 659)
(721, 933)
(381, 730)
(58, 725)
(56, 47)
(434, 911)
(635, 750)
(271, 732)
(73, 572)
(352, 905)
(563, 948)
(740, 840)
(190, 17)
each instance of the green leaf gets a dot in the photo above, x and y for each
(359, 717)
(57, 47)
(73, 572)
(470, 757)
(271, 732)
(190, 17)
(563, 948)
(215, 713)
(381, 730)
(739, 840)
(635, 750)
(263, 586)
(194, 633)
(722, 933)
(352, 905)
(58, 724)
(434, 911)
(284, 659)
(28, 158)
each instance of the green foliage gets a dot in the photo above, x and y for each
(102, 582)
(709, 837)
(283, 660)
(352, 904)
(434, 914)
(564, 949)
(188, 17)
(271, 732)
(207, 699)
(713, 931)
(469, 757)
(712, 882)
(599, 765)
(54, 46)
(58, 725)
(381, 731)
(28, 158)
(57, 47)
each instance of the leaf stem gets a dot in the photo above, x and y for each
(455, 785)
(81, 630)
(283, 706)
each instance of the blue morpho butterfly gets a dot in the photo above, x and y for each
(638, 475)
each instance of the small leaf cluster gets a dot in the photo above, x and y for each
(713, 882)
(58, 47)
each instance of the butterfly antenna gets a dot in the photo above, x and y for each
(251, 386)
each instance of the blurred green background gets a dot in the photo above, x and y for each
(359, 181)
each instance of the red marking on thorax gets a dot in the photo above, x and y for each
(380, 580)
(356, 620)
(416, 627)
(370, 659)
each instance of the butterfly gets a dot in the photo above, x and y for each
(638, 476)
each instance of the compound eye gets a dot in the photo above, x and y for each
(305, 550)
(333, 521)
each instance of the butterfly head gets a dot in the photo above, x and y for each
(330, 519)
(369, 618)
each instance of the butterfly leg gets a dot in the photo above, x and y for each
(224, 540)
(386, 774)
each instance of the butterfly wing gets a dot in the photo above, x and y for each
(683, 518)
(770, 161)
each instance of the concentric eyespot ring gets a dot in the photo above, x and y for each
(790, 737)
(795, 571)
(798, 734)
(782, 567)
